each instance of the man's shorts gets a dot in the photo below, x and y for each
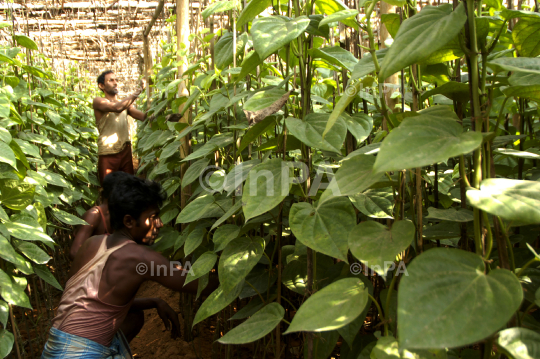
(64, 345)
(121, 161)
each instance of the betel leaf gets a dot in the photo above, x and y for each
(202, 266)
(224, 235)
(250, 63)
(217, 7)
(513, 200)
(44, 273)
(525, 36)
(216, 302)
(67, 218)
(377, 247)
(252, 9)
(375, 203)
(333, 307)
(531, 92)
(7, 155)
(449, 282)
(53, 178)
(6, 250)
(310, 131)
(359, 124)
(330, 7)
(339, 16)
(194, 240)
(6, 342)
(12, 293)
(234, 208)
(255, 131)
(267, 184)
(25, 41)
(194, 171)
(325, 227)
(519, 64)
(271, 33)
(392, 23)
(456, 91)
(196, 209)
(224, 49)
(421, 35)
(4, 312)
(520, 343)
(28, 229)
(450, 214)
(5, 135)
(237, 260)
(256, 327)
(16, 195)
(336, 56)
(388, 348)
(263, 99)
(314, 28)
(423, 140)
(33, 252)
(355, 175)
(238, 174)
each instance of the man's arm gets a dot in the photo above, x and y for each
(136, 114)
(165, 312)
(91, 217)
(104, 105)
(174, 279)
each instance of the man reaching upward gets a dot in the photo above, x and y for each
(113, 119)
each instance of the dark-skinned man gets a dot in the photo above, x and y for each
(107, 273)
(114, 121)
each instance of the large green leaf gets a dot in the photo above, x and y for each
(263, 99)
(519, 64)
(33, 252)
(520, 343)
(6, 250)
(451, 284)
(271, 33)
(375, 203)
(28, 229)
(324, 228)
(330, 7)
(457, 91)
(376, 246)
(218, 141)
(450, 214)
(224, 49)
(359, 124)
(333, 307)
(7, 155)
(531, 92)
(224, 235)
(16, 195)
(336, 56)
(310, 131)
(423, 140)
(217, 7)
(253, 8)
(194, 171)
(202, 266)
(194, 240)
(216, 302)
(256, 327)
(421, 35)
(68, 218)
(25, 41)
(238, 174)
(250, 63)
(44, 273)
(6, 342)
(513, 200)
(259, 128)
(392, 23)
(237, 260)
(197, 209)
(12, 293)
(266, 186)
(525, 36)
(388, 348)
(355, 175)
(339, 16)
(53, 178)
(4, 312)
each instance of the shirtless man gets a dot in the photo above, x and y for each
(113, 123)
(107, 273)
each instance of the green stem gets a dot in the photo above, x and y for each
(508, 244)
(489, 237)
(381, 314)
(521, 270)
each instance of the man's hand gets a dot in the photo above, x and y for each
(169, 317)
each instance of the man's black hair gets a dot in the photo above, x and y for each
(109, 181)
(133, 196)
(101, 78)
